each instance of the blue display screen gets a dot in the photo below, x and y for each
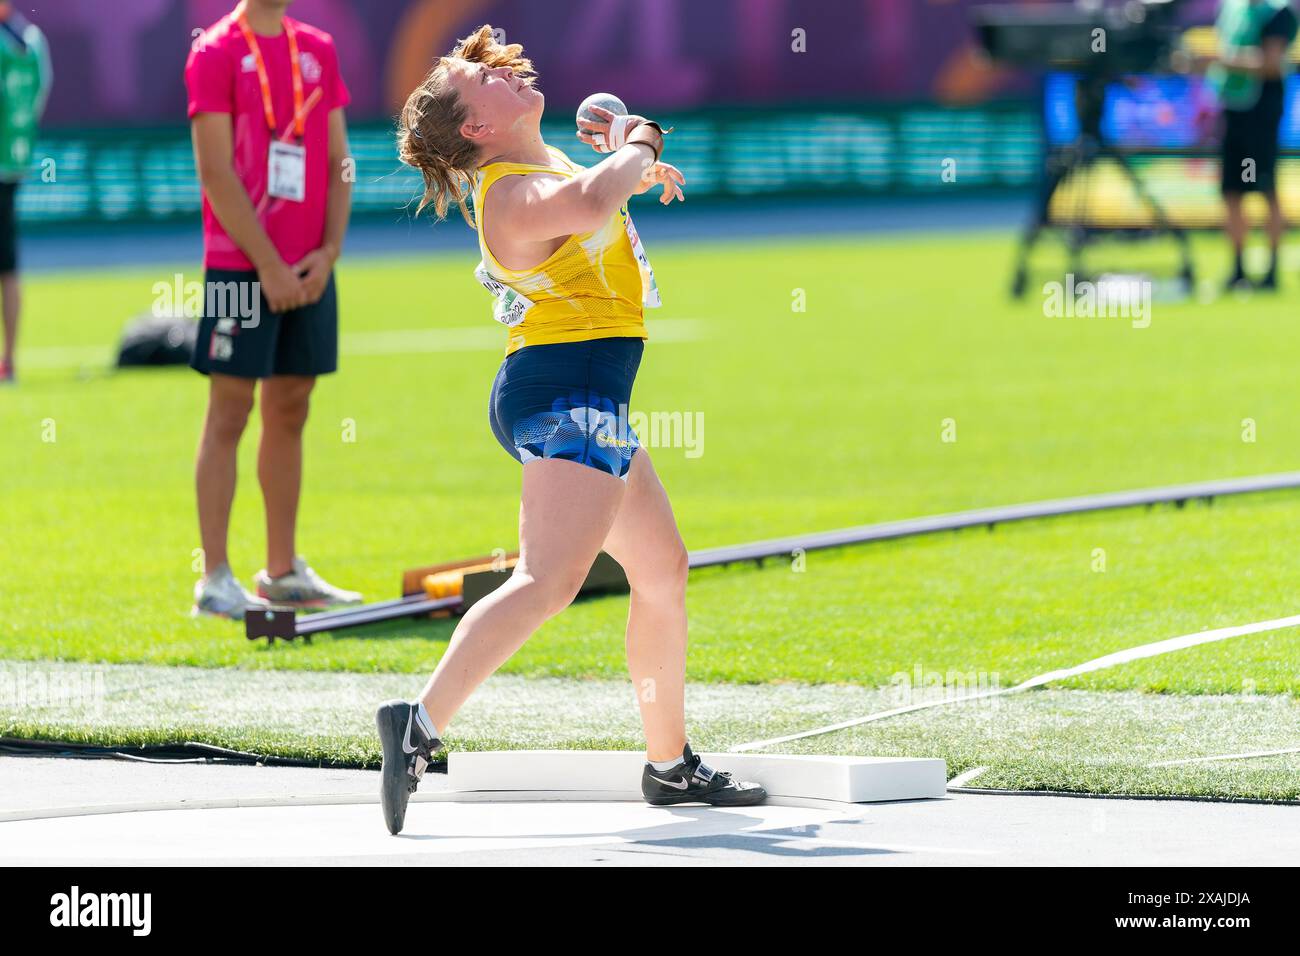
(1152, 112)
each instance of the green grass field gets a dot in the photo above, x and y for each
(812, 419)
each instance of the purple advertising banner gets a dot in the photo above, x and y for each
(119, 62)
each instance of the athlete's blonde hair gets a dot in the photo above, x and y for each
(428, 138)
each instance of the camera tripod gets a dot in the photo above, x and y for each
(1078, 159)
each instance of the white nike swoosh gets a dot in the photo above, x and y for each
(676, 786)
(406, 744)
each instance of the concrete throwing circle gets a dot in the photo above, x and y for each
(272, 833)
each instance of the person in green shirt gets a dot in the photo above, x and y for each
(25, 79)
(1249, 78)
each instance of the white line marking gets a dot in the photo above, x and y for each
(964, 778)
(1100, 663)
(881, 715)
(1245, 756)
(470, 338)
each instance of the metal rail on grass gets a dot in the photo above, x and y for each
(282, 622)
(274, 622)
(911, 527)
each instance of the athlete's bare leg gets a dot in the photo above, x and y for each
(230, 399)
(564, 516)
(1235, 226)
(286, 400)
(11, 303)
(645, 541)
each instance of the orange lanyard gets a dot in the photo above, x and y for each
(295, 68)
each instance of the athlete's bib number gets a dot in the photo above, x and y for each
(509, 307)
(286, 175)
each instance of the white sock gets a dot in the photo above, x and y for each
(426, 722)
(665, 765)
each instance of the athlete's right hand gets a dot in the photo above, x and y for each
(282, 288)
(609, 130)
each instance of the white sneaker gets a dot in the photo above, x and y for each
(302, 587)
(219, 594)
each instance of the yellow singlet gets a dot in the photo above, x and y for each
(589, 288)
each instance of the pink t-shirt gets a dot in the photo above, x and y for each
(221, 77)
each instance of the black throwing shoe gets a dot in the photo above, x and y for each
(693, 782)
(407, 752)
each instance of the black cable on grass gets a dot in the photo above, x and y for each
(183, 752)
(187, 752)
(1200, 798)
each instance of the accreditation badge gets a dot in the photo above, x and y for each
(286, 175)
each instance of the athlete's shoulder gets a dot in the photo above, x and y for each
(218, 36)
(498, 179)
(214, 52)
(562, 156)
(312, 35)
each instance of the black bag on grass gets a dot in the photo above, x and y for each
(150, 340)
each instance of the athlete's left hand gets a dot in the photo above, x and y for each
(666, 175)
(314, 270)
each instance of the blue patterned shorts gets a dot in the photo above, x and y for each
(568, 401)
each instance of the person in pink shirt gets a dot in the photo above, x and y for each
(266, 103)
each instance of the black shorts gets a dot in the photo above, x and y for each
(1252, 135)
(8, 229)
(568, 401)
(239, 334)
